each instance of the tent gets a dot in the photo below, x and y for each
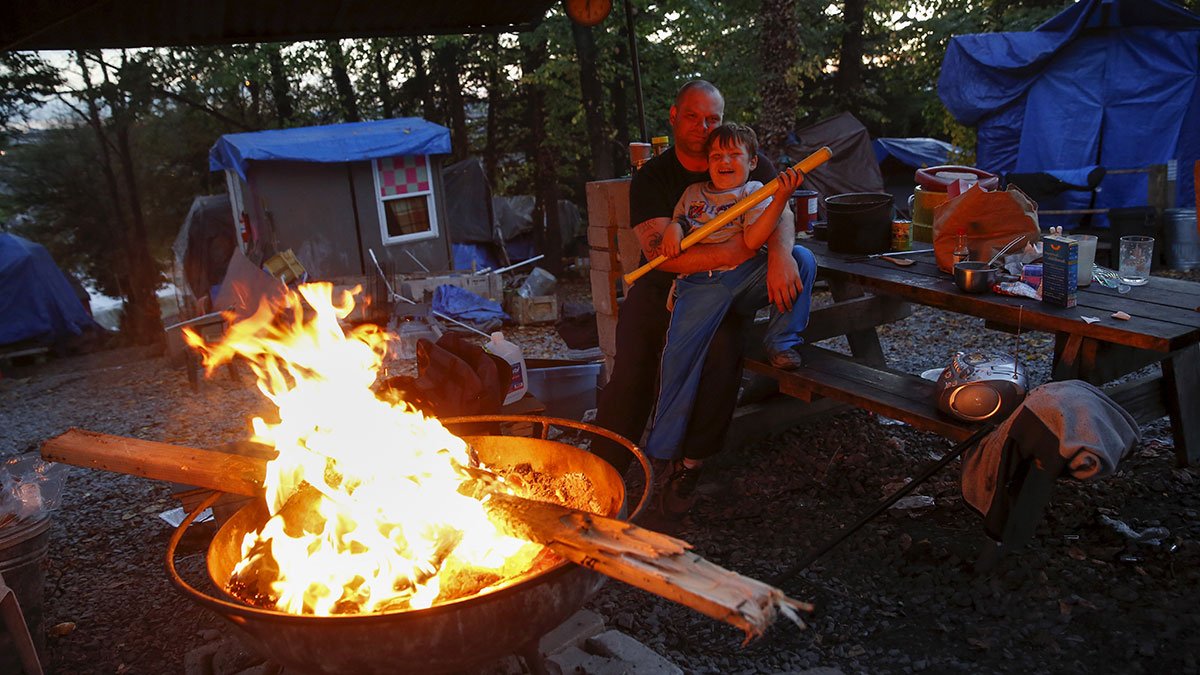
(1114, 83)
(37, 302)
(853, 167)
(204, 243)
(334, 194)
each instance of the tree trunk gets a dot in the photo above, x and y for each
(456, 111)
(387, 100)
(776, 56)
(341, 80)
(848, 79)
(593, 96)
(281, 89)
(491, 151)
(420, 78)
(139, 279)
(547, 234)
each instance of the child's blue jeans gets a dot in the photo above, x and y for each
(701, 301)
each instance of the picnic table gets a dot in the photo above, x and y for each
(1163, 328)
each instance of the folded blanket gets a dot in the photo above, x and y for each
(1069, 427)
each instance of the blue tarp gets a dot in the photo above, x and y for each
(918, 153)
(353, 142)
(36, 300)
(459, 303)
(1114, 83)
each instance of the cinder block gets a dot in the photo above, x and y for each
(582, 625)
(611, 653)
(606, 328)
(604, 291)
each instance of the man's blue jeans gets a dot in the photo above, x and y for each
(702, 299)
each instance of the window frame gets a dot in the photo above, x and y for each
(430, 202)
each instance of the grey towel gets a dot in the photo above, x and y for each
(1093, 435)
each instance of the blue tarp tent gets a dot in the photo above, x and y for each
(916, 152)
(331, 143)
(1114, 83)
(36, 300)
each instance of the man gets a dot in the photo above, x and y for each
(626, 401)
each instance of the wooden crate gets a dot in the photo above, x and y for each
(538, 309)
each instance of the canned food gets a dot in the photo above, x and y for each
(901, 235)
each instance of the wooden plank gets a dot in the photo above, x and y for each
(864, 342)
(853, 315)
(161, 461)
(893, 394)
(1155, 325)
(1142, 398)
(1181, 389)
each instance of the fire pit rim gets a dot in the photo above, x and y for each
(237, 611)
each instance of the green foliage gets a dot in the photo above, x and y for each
(176, 102)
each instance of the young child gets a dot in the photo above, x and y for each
(702, 299)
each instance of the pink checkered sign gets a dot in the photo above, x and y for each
(403, 175)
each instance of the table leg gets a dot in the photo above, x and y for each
(1181, 389)
(864, 343)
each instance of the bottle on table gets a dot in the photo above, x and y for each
(961, 252)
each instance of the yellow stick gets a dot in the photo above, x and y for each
(748, 202)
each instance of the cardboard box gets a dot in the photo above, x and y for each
(1060, 264)
(420, 287)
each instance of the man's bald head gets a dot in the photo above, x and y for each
(700, 86)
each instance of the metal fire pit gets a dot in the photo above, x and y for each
(458, 635)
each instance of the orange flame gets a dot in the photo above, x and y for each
(366, 512)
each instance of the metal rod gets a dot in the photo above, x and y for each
(410, 254)
(637, 69)
(523, 262)
(950, 456)
(893, 253)
(392, 295)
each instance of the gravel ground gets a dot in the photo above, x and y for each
(899, 596)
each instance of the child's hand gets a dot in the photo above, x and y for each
(671, 239)
(788, 181)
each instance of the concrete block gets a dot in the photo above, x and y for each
(611, 653)
(582, 625)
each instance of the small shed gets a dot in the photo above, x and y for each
(334, 193)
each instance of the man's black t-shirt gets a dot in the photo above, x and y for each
(658, 185)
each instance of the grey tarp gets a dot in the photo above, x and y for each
(853, 167)
(205, 242)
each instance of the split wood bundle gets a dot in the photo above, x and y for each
(652, 561)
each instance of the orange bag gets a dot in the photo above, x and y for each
(990, 219)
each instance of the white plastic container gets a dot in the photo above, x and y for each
(511, 353)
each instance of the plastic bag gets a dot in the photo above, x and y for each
(990, 219)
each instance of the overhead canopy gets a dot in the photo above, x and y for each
(1114, 83)
(78, 24)
(351, 142)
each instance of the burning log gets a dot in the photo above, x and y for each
(647, 559)
(652, 561)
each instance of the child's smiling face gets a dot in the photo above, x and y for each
(729, 165)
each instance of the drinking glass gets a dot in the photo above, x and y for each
(1136, 254)
(1087, 257)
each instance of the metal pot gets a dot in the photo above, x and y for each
(974, 276)
(451, 637)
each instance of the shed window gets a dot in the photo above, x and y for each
(404, 193)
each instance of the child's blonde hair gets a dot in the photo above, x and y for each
(733, 134)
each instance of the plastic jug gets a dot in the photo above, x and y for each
(511, 353)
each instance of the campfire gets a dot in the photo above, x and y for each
(378, 538)
(370, 503)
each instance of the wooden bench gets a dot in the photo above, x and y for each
(883, 391)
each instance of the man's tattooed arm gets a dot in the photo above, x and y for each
(651, 238)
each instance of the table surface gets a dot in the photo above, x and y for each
(1164, 313)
